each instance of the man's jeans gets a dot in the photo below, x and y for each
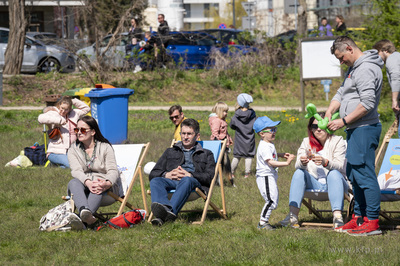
(160, 186)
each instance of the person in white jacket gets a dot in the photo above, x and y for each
(320, 165)
(64, 117)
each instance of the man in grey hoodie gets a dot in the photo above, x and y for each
(387, 51)
(357, 101)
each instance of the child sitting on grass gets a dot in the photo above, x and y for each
(267, 164)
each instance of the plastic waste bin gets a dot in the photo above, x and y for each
(71, 93)
(110, 109)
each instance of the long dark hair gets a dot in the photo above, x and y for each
(314, 142)
(92, 123)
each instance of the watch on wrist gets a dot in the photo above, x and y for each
(344, 121)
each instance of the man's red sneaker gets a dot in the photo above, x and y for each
(368, 228)
(352, 224)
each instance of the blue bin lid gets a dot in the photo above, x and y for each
(99, 93)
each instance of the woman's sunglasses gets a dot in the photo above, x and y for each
(82, 130)
(314, 127)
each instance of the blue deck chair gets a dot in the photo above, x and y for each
(389, 174)
(218, 148)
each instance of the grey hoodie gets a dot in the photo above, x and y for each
(393, 71)
(363, 84)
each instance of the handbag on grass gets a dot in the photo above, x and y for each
(54, 133)
(126, 220)
(61, 218)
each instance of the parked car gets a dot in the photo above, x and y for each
(39, 57)
(190, 48)
(115, 56)
(231, 36)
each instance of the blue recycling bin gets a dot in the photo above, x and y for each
(110, 109)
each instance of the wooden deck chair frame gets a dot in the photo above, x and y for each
(138, 172)
(387, 214)
(310, 196)
(207, 198)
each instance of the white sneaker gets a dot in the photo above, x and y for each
(290, 220)
(337, 221)
(87, 216)
(137, 69)
(75, 222)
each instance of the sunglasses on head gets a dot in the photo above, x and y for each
(82, 130)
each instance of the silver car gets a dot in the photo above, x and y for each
(39, 57)
(114, 57)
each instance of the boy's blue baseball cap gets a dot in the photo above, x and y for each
(263, 122)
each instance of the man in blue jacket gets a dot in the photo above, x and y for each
(357, 101)
(183, 167)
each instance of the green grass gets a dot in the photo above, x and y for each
(27, 194)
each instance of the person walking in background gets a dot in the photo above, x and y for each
(244, 144)
(63, 118)
(357, 101)
(387, 51)
(325, 29)
(219, 131)
(176, 116)
(163, 32)
(340, 25)
(267, 168)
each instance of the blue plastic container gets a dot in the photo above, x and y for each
(110, 109)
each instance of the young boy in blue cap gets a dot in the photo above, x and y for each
(267, 167)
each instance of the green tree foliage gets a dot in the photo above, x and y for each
(227, 18)
(383, 22)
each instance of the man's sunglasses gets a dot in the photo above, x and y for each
(174, 117)
(82, 130)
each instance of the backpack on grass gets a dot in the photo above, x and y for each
(61, 218)
(126, 220)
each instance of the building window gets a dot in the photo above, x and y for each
(206, 10)
(187, 10)
(317, 3)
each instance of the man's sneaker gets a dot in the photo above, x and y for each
(337, 221)
(368, 228)
(290, 220)
(170, 216)
(352, 224)
(159, 211)
(157, 222)
(266, 226)
(87, 216)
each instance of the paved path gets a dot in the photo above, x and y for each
(198, 108)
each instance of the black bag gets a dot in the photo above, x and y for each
(36, 154)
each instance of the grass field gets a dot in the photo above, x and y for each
(27, 194)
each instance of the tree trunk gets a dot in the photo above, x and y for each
(302, 18)
(16, 40)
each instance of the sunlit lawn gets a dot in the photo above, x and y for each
(27, 194)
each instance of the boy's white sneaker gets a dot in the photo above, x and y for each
(290, 220)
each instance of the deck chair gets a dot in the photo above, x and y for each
(218, 148)
(311, 195)
(389, 175)
(129, 159)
